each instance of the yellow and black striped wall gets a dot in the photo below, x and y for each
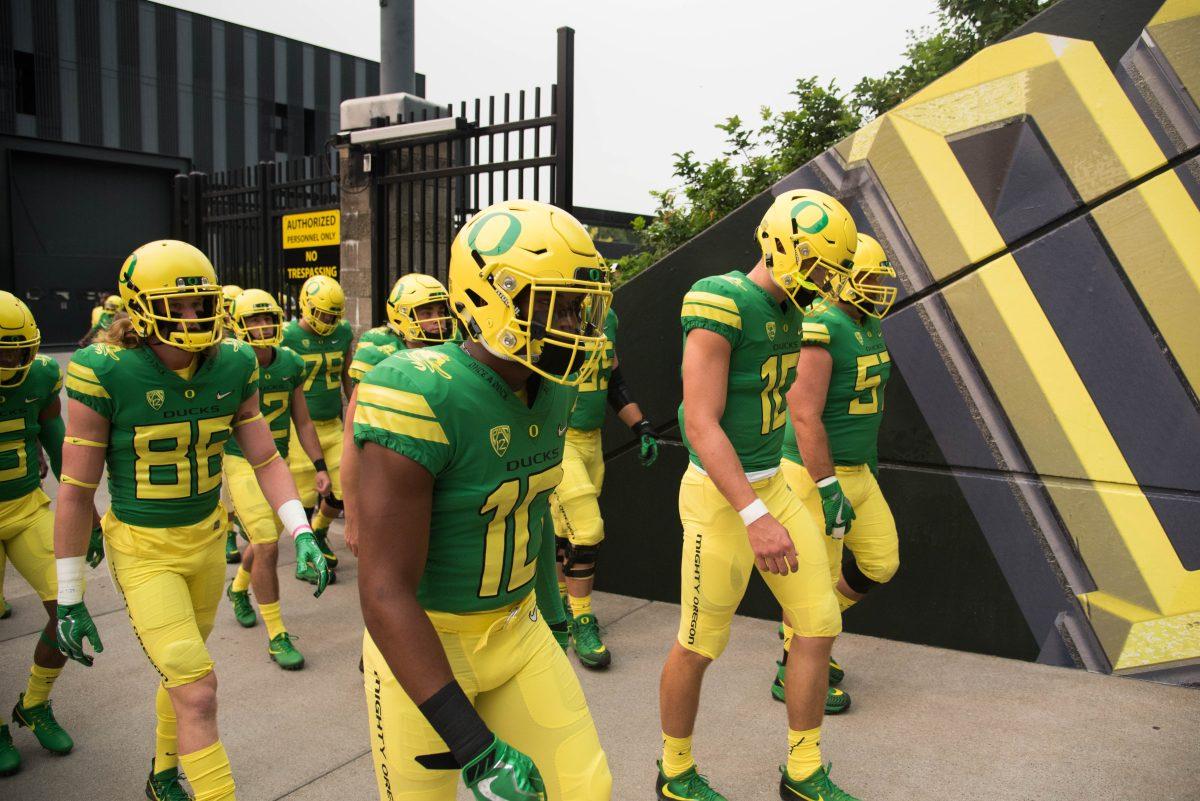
(1041, 448)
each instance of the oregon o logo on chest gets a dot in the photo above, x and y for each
(534, 430)
(189, 393)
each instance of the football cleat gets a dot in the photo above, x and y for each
(585, 632)
(243, 610)
(232, 554)
(39, 719)
(836, 674)
(165, 786)
(5, 609)
(10, 758)
(283, 653)
(322, 537)
(836, 701)
(687, 786)
(816, 787)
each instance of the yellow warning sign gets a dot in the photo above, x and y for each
(312, 229)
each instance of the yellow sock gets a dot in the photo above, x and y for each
(804, 753)
(320, 520)
(788, 633)
(580, 606)
(677, 755)
(562, 588)
(241, 581)
(41, 681)
(273, 618)
(844, 602)
(166, 745)
(209, 773)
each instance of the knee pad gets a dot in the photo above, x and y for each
(561, 546)
(857, 578)
(184, 661)
(333, 502)
(579, 561)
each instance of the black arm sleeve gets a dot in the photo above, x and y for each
(618, 391)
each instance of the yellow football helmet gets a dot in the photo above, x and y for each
(863, 288)
(807, 238)
(527, 282)
(252, 302)
(412, 292)
(229, 293)
(322, 303)
(19, 340)
(167, 270)
(113, 304)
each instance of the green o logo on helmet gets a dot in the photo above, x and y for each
(506, 241)
(127, 274)
(816, 227)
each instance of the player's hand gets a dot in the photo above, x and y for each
(95, 551)
(502, 773)
(74, 626)
(324, 483)
(647, 442)
(307, 553)
(772, 546)
(838, 511)
(562, 634)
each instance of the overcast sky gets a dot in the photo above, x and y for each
(652, 76)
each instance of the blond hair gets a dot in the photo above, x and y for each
(120, 334)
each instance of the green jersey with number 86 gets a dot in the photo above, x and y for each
(324, 359)
(494, 460)
(20, 407)
(854, 401)
(764, 337)
(276, 383)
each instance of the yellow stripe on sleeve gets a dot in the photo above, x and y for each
(397, 423)
(57, 385)
(16, 424)
(253, 377)
(240, 423)
(79, 371)
(709, 313)
(711, 299)
(395, 400)
(65, 479)
(815, 332)
(86, 388)
(359, 369)
(87, 443)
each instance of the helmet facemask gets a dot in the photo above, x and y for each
(262, 328)
(865, 290)
(430, 322)
(153, 317)
(16, 357)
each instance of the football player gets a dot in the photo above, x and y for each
(418, 311)
(575, 503)
(30, 419)
(113, 305)
(741, 343)
(829, 448)
(158, 399)
(458, 448)
(229, 293)
(322, 339)
(258, 321)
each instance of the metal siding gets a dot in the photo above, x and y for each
(87, 43)
(320, 84)
(8, 121)
(68, 72)
(250, 111)
(22, 25)
(308, 78)
(45, 44)
(280, 50)
(202, 91)
(168, 80)
(147, 78)
(335, 90)
(219, 96)
(186, 84)
(110, 97)
(360, 78)
(128, 73)
(295, 81)
(266, 95)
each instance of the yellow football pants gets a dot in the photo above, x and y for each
(27, 540)
(872, 539)
(717, 561)
(258, 519)
(575, 503)
(172, 600)
(303, 471)
(522, 686)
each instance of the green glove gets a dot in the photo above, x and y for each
(648, 443)
(562, 633)
(502, 773)
(837, 509)
(74, 626)
(308, 553)
(95, 551)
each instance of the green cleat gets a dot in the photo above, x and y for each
(322, 537)
(836, 674)
(585, 631)
(39, 719)
(165, 786)
(687, 786)
(284, 654)
(243, 610)
(5, 609)
(232, 554)
(836, 701)
(817, 787)
(10, 759)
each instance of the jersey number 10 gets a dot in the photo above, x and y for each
(511, 512)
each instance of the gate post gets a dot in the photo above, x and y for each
(564, 124)
(357, 195)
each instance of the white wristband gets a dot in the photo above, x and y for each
(753, 511)
(70, 579)
(825, 482)
(291, 514)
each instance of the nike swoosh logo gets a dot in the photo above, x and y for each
(224, 395)
(802, 795)
(31, 400)
(666, 790)
(485, 789)
(837, 521)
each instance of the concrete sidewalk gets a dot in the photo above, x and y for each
(926, 723)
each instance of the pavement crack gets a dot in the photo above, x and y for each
(320, 776)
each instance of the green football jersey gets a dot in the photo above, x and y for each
(373, 347)
(324, 358)
(861, 368)
(167, 434)
(276, 383)
(764, 335)
(19, 427)
(590, 401)
(494, 459)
